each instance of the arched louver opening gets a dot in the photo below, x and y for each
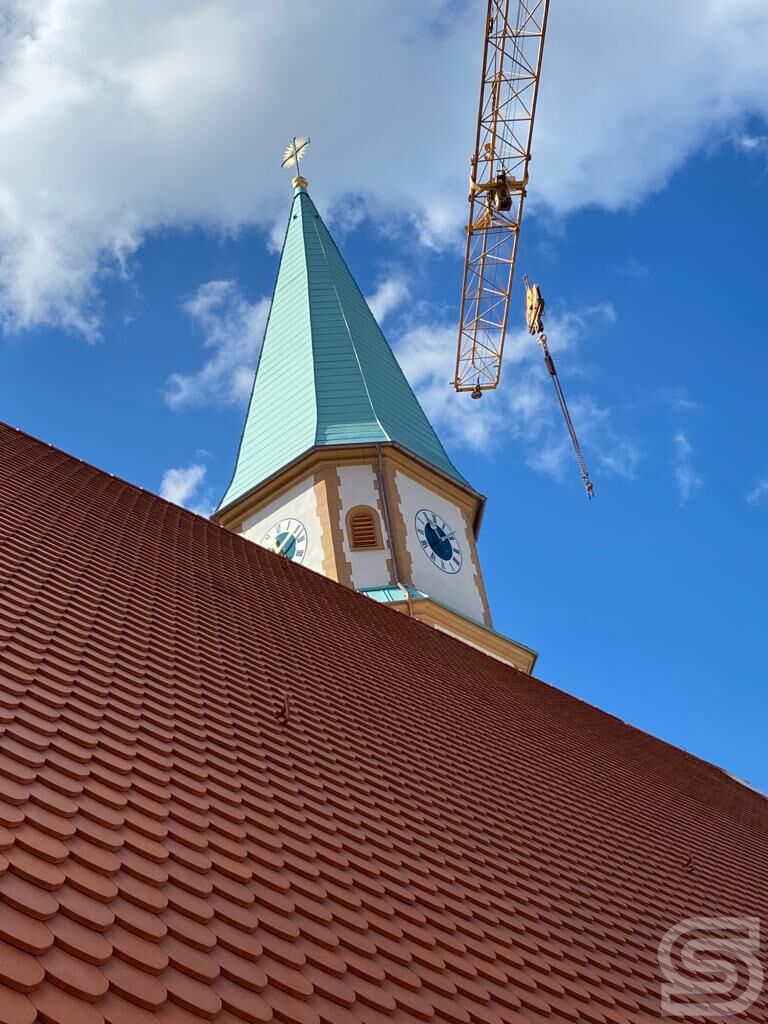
(363, 528)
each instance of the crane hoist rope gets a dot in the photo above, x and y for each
(534, 310)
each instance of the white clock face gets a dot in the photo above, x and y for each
(438, 541)
(287, 538)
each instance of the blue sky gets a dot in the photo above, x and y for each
(132, 349)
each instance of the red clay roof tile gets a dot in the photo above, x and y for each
(22, 929)
(196, 963)
(432, 836)
(288, 1009)
(83, 909)
(139, 921)
(73, 974)
(244, 1004)
(15, 1007)
(11, 816)
(135, 985)
(89, 945)
(25, 895)
(90, 882)
(19, 970)
(52, 825)
(55, 1006)
(117, 1010)
(15, 793)
(138, 951)
(191, 994)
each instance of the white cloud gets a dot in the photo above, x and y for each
(183, 484)
(753, 145)
(391, 292)
(524, 408)
(678, 399)
(120, 118)
(686, 477)
(759, 493)
(634, 269)
(233, 329)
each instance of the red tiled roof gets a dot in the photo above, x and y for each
(430, 836)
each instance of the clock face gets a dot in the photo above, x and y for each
(438, 541)
(287, 538)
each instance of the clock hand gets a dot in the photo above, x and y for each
(444, 536)
(279, 547)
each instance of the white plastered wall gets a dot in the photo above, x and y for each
(457, 590)
(357, 486)
(299, 502)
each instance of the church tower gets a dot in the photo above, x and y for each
(338, 467)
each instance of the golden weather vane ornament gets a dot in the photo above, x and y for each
(294, 152)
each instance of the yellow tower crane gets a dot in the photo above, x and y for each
(515, 31)
(514, 44)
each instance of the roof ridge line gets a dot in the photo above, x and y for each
(640, 731)
(105, 472)
(298, 194)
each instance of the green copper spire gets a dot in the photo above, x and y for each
(326, 375)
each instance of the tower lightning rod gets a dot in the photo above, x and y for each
(512, 55)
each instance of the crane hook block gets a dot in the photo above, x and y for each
(534, 308)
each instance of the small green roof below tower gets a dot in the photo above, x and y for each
(326, 374)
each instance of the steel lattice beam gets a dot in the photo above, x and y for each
(514, 43)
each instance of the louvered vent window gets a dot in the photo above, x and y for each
(363, 529)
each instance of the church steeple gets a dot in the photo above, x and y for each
(338, 467)
(326, 375)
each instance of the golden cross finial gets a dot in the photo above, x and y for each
(294, 152)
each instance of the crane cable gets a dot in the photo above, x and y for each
(588, 485)
(534, 312)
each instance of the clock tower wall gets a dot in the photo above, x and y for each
(299, 503)
(464, 590)
(360, 495)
